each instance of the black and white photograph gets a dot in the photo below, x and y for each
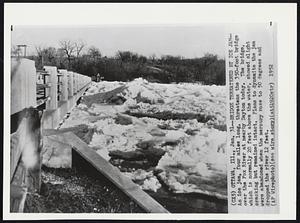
(149, 111)
(146, 110)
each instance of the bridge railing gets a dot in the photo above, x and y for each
(32, 87)
(53, 90)
(61, 85)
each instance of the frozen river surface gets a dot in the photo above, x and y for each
(168, 138)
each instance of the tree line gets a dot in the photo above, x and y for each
(127, 65)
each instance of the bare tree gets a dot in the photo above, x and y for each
(68, 47)
(94, 52)
(125, 56)
(79, 45)
(152, 58)
(46, 54)
(50, 53)
(39, 51)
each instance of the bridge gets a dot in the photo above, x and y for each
(41, 100)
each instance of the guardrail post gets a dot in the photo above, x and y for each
(78, 82)
(52, 92)
(64, 86)
(70, 83)
(23, 84)
(74, 83)
(76, 86)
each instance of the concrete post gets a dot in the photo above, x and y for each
(52, 103)
(70, 83)
(74, 81)
(64, 86)
(80, 81)
(77, 82)
(23, 84)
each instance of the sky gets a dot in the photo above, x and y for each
(186, 41)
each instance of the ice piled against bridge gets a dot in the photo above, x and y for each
(176, 132)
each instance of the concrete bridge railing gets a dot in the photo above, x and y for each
(66, 88)
(27, 82)
(55, 92)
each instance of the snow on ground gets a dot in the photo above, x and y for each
(176, 127)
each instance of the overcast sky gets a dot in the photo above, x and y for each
(187, 41)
